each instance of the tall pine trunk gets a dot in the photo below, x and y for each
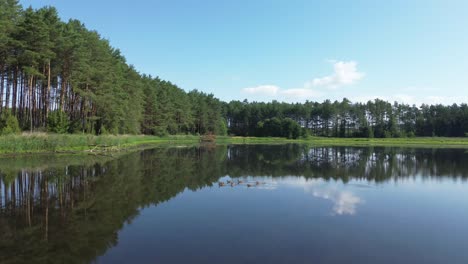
(2, 84)
(31, 103)
(47, 96)
(15, 90)
(7, 95)
(62, 94)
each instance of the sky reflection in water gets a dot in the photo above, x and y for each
(325, 205)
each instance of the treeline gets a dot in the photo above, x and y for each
(62, 77)
(376, 118)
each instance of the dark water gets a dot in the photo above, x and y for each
(310, 205)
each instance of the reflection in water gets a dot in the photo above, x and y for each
(72, 213)
(344, 202)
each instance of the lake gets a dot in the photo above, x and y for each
(237, 204)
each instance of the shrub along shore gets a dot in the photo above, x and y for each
(82, 143)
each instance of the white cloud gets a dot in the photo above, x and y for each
(268, 90)
(300, 93)
(345, 73)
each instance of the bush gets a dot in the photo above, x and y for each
(74, 126)
(103, 131)
(305, 133)
(57, 122)
(387, 134)
(9, 124)
(160, 131)
(222, 128)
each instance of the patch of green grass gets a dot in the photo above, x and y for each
(254, 140)
(53, 143)
(325, 141)
(420, 141)
(44, 142)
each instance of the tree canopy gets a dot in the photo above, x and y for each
(62, 77)
(376, 118)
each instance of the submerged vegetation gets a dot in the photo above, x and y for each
(61, 77)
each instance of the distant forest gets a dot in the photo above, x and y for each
(61, 77)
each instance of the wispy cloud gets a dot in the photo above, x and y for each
(296, 94)
(265, 90)
(345, 73)
(300, 93)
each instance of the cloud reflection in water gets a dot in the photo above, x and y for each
(345, 202)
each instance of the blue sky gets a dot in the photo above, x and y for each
(412, 51)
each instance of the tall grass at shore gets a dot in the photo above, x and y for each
(400, 142)
(45, 142)
(326, 141)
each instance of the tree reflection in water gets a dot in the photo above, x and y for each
(72, 212)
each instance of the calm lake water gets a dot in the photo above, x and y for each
(304, 205)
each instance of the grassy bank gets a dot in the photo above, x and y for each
(41, 142)
(399, 142)
(324, 141)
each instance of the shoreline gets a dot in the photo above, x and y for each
(42, 143)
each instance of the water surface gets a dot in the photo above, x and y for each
(288, 204)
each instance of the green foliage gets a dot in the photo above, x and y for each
(80, 83)
(374, 119)
(387, 134)
(58, 122)
(103, 131)
(160, 131)
(42, 142)
(9, 124)
(222, 128)
(276, 127)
